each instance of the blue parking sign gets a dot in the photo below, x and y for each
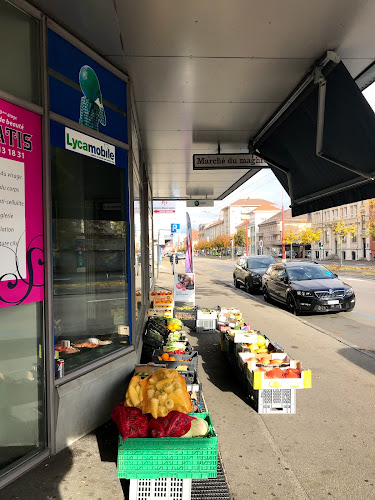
(175, 228)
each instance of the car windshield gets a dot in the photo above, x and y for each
(259, 263)
(301, 273)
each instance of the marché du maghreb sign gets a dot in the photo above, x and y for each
(227, 161)
(88, 146)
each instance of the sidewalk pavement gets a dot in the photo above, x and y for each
(323, 451)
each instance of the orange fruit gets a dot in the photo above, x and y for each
(165, 356)
(172, 358)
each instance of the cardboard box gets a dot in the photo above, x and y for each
(242, 359)
(258, 379)
(245, 337)
(206, 315)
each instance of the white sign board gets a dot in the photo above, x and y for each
(200, 203)
(164, 207)
(227, 161)
(184, 287)
(88, 146)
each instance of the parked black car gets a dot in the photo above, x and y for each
(307, 287)
(249, 271)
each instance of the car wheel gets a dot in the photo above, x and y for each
(266, 295)
(236, 284)
(292, 306)
(249, 288)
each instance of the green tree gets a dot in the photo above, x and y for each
(240, 237)
(342, 230)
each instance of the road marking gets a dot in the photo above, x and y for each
(363, 314)
(354, 279)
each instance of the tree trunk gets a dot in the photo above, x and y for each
(340, 252)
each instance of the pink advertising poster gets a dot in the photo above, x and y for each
(21, 216)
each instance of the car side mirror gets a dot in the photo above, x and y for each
(335, 275)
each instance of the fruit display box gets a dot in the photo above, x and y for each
(189, 360)
(259, 380)
(273, 401)
(146, 370)
(245, 337)
(206, 315)
(167, 313)
(188, 347)
(205, 325)
(150, 458)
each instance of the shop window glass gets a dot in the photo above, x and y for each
(19, 53)
(22, 424)
(89, 211)
(137, 244)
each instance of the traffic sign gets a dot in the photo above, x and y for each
(175, 228)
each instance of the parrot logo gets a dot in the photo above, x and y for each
(91, 110)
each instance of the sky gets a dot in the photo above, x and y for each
(263, 185)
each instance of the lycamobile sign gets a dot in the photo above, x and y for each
(88, 146)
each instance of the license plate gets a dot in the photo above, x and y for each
(333, 302)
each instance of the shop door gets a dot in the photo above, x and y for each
(364, 247)
(22, 390)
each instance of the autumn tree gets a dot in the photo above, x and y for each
(240, 237)
(342, 231)
(310, 234)
(291, 237)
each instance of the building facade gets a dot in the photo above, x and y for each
(254, 219)
(358, 247)
(270, 231)
(233, 213)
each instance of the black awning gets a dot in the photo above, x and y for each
(349, 138)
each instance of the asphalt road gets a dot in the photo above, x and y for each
(356, 328)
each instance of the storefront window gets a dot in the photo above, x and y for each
(20, 32)
(22, 416)
(137, 244)
(90, 221)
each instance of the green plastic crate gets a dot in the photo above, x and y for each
(140, 458)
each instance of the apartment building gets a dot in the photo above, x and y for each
(213, 230)
(270, 231)
(231, 215)
(254, 220)
(360, 246)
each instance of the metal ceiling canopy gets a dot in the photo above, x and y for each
(213, 71)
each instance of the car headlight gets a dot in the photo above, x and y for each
(304, 294)
(349, 292)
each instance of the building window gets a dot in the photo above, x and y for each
(19, 53)
(354, 238)
(363, 220)
(90, 274)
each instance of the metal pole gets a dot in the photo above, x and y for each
(158, 253)
(247, 238)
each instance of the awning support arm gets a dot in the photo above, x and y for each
(320, 80)
(284, 170)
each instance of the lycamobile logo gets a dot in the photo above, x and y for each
(89, 146)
